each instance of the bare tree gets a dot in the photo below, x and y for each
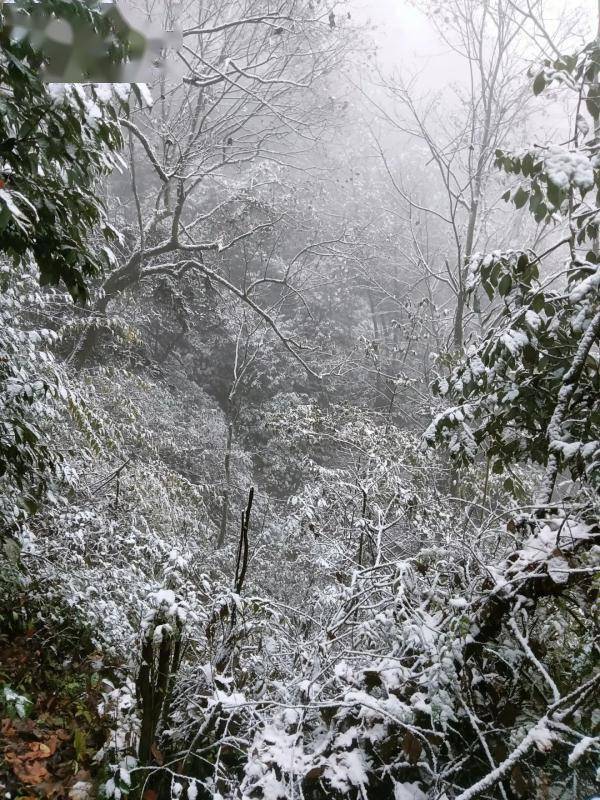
(461, 142)
(207, 160)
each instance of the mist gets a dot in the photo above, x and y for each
(300, 401)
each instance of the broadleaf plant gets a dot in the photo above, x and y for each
(56, 140)
(529, 389)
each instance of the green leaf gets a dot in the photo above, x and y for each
(530, 355)
(540, 212)
(505, 285)
(539, 84)
(538, 302)
(12, 550)
(555, 194)
(592, 101)
(15, 705)
(521, 197)
(80, 744)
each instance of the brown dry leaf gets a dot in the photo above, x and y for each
(412, 747)
(7, 728)
(24, 725)
(52, 701)
(518, 782)
(158, 756)
(150, 794)
(82, 775)
(37, 750)
(314, 774)
(544, 786)
(30, 772)
(50, 789)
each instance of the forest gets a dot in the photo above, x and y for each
(300, 400)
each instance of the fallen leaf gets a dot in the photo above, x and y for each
(7, 728)
(50, 789)
(82, 775)
(30, 772)
(37, 750)
(27, 726)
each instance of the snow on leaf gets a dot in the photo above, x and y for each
(568, 167)
(408, 791)
(582, 747)
(586, 286)
(347, 769)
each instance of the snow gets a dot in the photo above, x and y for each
(558, 569)
(532, 319)
(586, 286)
(164, 597)
(408, 791)
(542, 737)
(588, 450)
(347, 769)
(18, 702)
(582, 747)
(568, 167)
(161, 632)
(192, 791)
(514, 341)
(103, 92)
(58, 92)
(145, 94)
(92, 113)
(568, 449)
(477, 366)
(229, 700)
(419, 701)
(81, 790)
(122, 90)
(546, 547)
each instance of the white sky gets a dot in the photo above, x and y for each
(407, 40)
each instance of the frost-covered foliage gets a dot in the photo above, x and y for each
(529, 389)
(32, 389)
(101, 549)
(57, 141)
(377, 623)
(507, 390)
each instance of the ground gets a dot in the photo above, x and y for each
(50, 729)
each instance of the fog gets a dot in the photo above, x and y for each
(299, 400)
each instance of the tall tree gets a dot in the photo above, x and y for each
(206, 160)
